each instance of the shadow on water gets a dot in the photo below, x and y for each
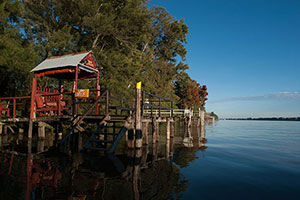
(35, 169)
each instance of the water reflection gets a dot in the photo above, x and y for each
(34, 170)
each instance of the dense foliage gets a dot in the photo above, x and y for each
(131, 42)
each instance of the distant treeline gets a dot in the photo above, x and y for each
(131, 42)
(268, 118)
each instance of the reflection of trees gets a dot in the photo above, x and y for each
(183, 156)
(156, 180)
(162, 181)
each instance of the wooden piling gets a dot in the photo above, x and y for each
(185, 126)
(130, 141)
(138, 117)
(29, 145)
(157, 130)
(1, 128)
(145, 133)
(154, 130)
(198, 122)
(171, 147)
(41, 146)
(168, 149)
(168, 129)
(202, 121)
(41, 130)
(5, 130)
(154, 151)
(30, 127)
(172, 128)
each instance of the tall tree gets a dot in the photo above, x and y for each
(17, 55)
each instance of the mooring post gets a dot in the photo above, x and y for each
(155, 151)
(168, 149)
(185, 126)
(171, 147)
(138, 117)
(1, 127)
(153, 130)
(145, 133)
(168, 128)
(30, 128)
(136, 173)
(157, 129)
(41, 145)
(97, 92)
(41, 130)
(130, 141)
(202, 121)
(5, 130)
(172, 128)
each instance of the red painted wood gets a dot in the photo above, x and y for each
(33, 97)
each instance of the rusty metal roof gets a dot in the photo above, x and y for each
(71, 60)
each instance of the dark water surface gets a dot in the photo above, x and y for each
(230, 160)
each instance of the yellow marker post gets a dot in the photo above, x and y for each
(139, 85)
(138, 117)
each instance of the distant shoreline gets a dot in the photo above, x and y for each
(267, 119)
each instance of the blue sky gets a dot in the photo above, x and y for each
(247, 52)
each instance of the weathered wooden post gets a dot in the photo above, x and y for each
(29, 145)
(202, 120)
(40, 145)
(5, 130)
(138, 117)
(1, 127)
(60, 97)
(157, 129)
(199, 118)
(168, 149)
(154, 130)
(130, 141)
(136, 173)
(145, 151)
(171, 147)
(172, 128)
(168, 128)
(145, 133)
(97, 92)
(41, 130)
(185, 126)
(32, 105)
(154, 151)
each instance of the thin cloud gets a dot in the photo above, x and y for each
(282, 96)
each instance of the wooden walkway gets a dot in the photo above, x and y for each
(115, 119)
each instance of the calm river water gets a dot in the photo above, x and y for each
(230, 160)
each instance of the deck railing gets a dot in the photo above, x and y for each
(153, 103)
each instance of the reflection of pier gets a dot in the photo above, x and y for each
(137, 173)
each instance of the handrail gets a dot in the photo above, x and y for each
(153, 95)
(84, 115)
(7, 98)
(14, 105)
(159, 106)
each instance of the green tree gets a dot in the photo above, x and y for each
(17, 55)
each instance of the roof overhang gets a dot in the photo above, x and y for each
(63, 67)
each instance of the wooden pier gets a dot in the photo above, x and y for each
(82, 109)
